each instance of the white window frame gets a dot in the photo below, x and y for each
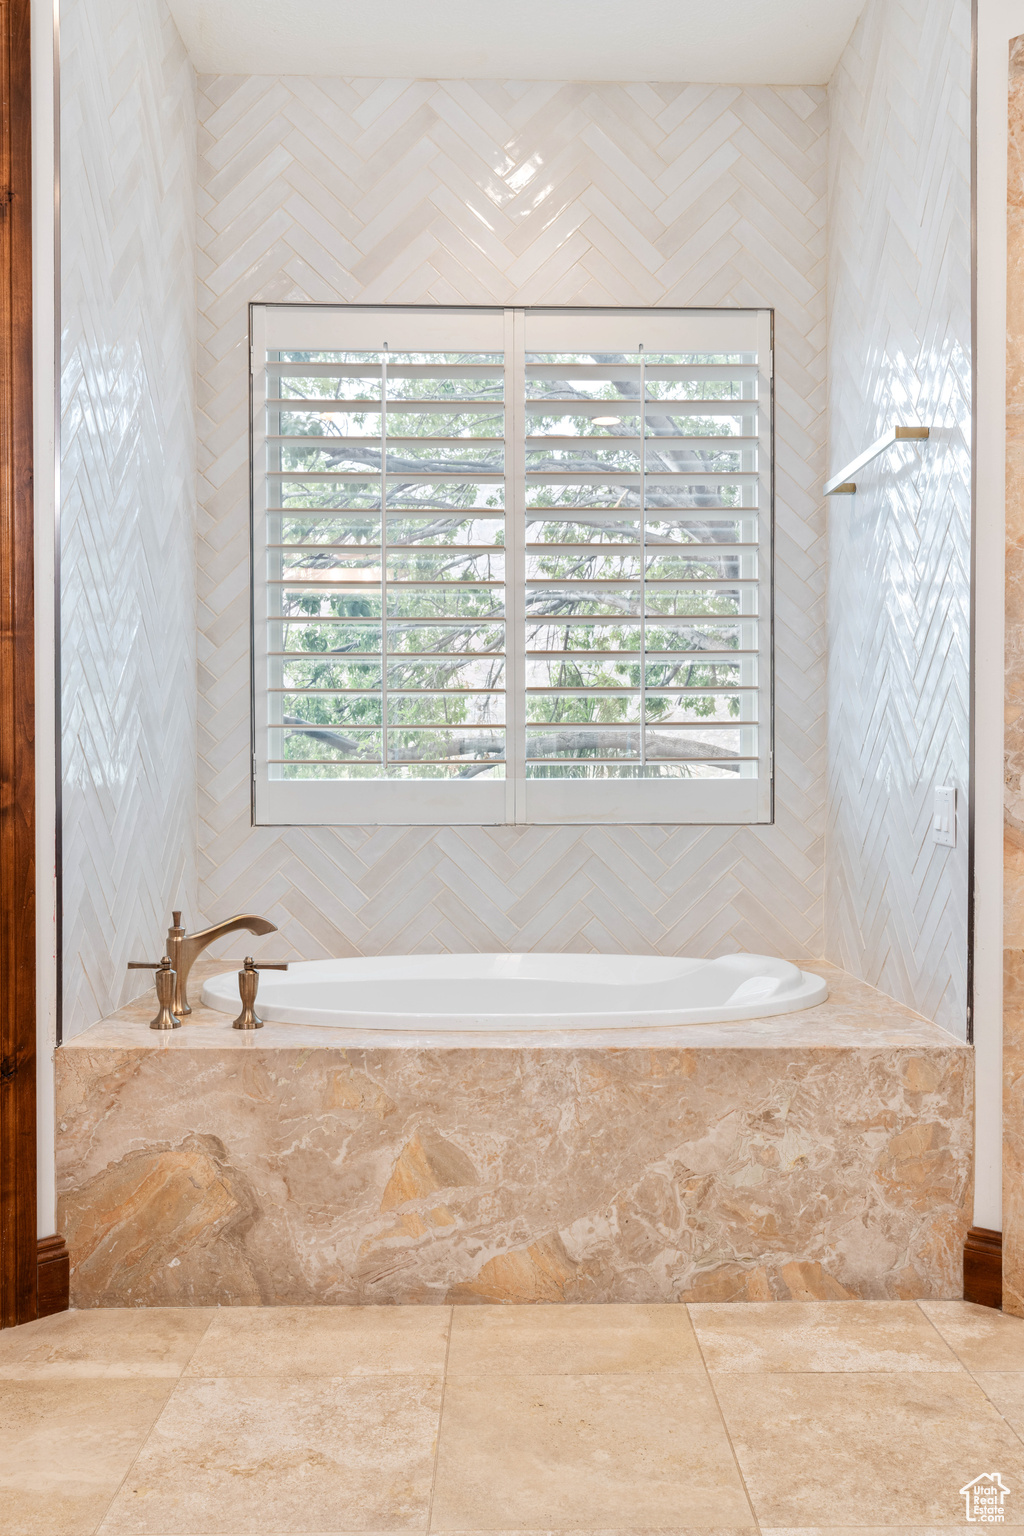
(514, 800)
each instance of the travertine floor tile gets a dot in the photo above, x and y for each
(603, 1452)
(819, 1336)
(845, 1449)
(248, 1456)
(324, 1341)
(984, 1339)
(571, 1340)
(1006, 1390)
(65, 1447)
(598, 1420)
(105, 1341)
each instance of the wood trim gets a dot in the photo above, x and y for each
(53, 1276)
(983, 1267)
(18, 1257)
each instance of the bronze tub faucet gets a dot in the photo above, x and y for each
(185, 948)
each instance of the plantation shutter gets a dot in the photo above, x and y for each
(647, 552)
(381, 483)
(511, 565)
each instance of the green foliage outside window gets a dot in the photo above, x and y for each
(444, 560)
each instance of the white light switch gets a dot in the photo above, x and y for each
(944, 817)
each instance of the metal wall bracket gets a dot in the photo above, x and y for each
(844, 484)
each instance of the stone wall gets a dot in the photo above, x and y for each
(821, 1155)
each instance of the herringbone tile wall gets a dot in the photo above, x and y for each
(899, 575)
(128, 492)
(539, 193)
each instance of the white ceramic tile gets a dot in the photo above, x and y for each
(128, 136)
(430, 183)
(900, 335)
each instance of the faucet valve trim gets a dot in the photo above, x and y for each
(248, 981)
(165, 981)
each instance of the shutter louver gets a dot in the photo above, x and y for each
(386, 550)
(641, 565)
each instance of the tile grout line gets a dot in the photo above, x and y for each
(146, 1437)
(940, 1335)
(131, 1466)
(440, 1416)
(721, 1415)
(972, 1373)
(981, 1388)
(201, 1339)
(214, 1314)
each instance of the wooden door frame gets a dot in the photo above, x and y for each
(19, 1250)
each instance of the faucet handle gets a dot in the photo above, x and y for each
(248, 981)
(165, 979)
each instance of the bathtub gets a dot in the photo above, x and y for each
(533, 991)
(813, 1155)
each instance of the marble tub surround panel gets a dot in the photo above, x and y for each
(335, 1168)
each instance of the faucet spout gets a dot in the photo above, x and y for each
(185, 948)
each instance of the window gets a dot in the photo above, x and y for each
(511, 565)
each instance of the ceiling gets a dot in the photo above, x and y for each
(743, 42)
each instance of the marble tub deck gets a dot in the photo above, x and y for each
(823, 1154)
(788, 1419)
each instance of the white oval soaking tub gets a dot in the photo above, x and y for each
(533, 991)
